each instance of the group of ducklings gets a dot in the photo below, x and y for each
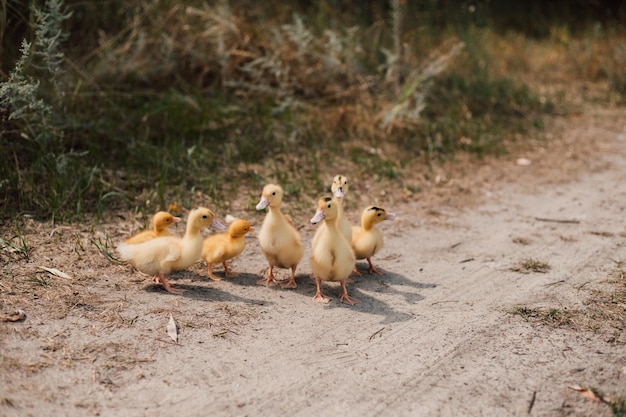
(335, 247)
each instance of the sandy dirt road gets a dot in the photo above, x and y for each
(435, 336)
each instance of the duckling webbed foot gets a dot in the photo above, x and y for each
(228, 272)
(159, 279)
(373, 269)
(292, 280)
(212, 275)
(289, 284)
(345, 298)
(269, 280)
(319, 297)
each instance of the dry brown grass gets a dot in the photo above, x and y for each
(529, 265)
(552, 67)
(604, 310)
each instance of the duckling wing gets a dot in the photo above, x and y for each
(214, 249)
(150, 256)
(367, 243)
(174, 252)
(357, 231)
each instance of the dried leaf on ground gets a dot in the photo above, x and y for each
(18, 315)
(172, 329)
(56, 272)
(588, 393)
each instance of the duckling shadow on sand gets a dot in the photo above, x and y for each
(363, 288)
(204, 289)
(366, 287)
(391, 283)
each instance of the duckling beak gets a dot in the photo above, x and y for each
(390, 216)
(218, 225)
(251, 229)
(176, 219)
(319, 216)
(339, 193)
(263, 203)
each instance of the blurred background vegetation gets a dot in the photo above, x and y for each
(117, 105)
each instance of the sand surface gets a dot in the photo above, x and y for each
(435, 336)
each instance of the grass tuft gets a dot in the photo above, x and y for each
(105, 247)
(531, 265)
(551, 317)
(618, 406)
(39, 281)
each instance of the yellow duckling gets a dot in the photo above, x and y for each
(225, 246)
(160, 222)
(279, 240)
(339, 188)
(368, 239)
(162, 255)
(332, 258)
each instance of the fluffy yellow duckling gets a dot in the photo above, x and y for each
(339, 188)
(160, 222)
(279, 240)
(368, 239)
(332, 258)
(162, 255)
(225, 246)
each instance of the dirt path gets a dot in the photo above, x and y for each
(434, 337)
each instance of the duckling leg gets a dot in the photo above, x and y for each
(160, 279)
(319, 297)
(270, 280)
(345, 298)
(211, 274)
(373, 269)
(228, 272)
(292, 281)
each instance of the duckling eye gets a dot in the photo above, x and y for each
(328, 206)
(167, 220)
(205, 216)
(378, 214)
(274, 193)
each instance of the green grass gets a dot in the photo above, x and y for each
(138, 122)
(39, 281)
(618, 406)
(105, 246)
(15, 247)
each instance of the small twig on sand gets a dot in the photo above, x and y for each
(571, 221)
(376, 333)
(444, 301)
(554, 283)
(532, 402)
